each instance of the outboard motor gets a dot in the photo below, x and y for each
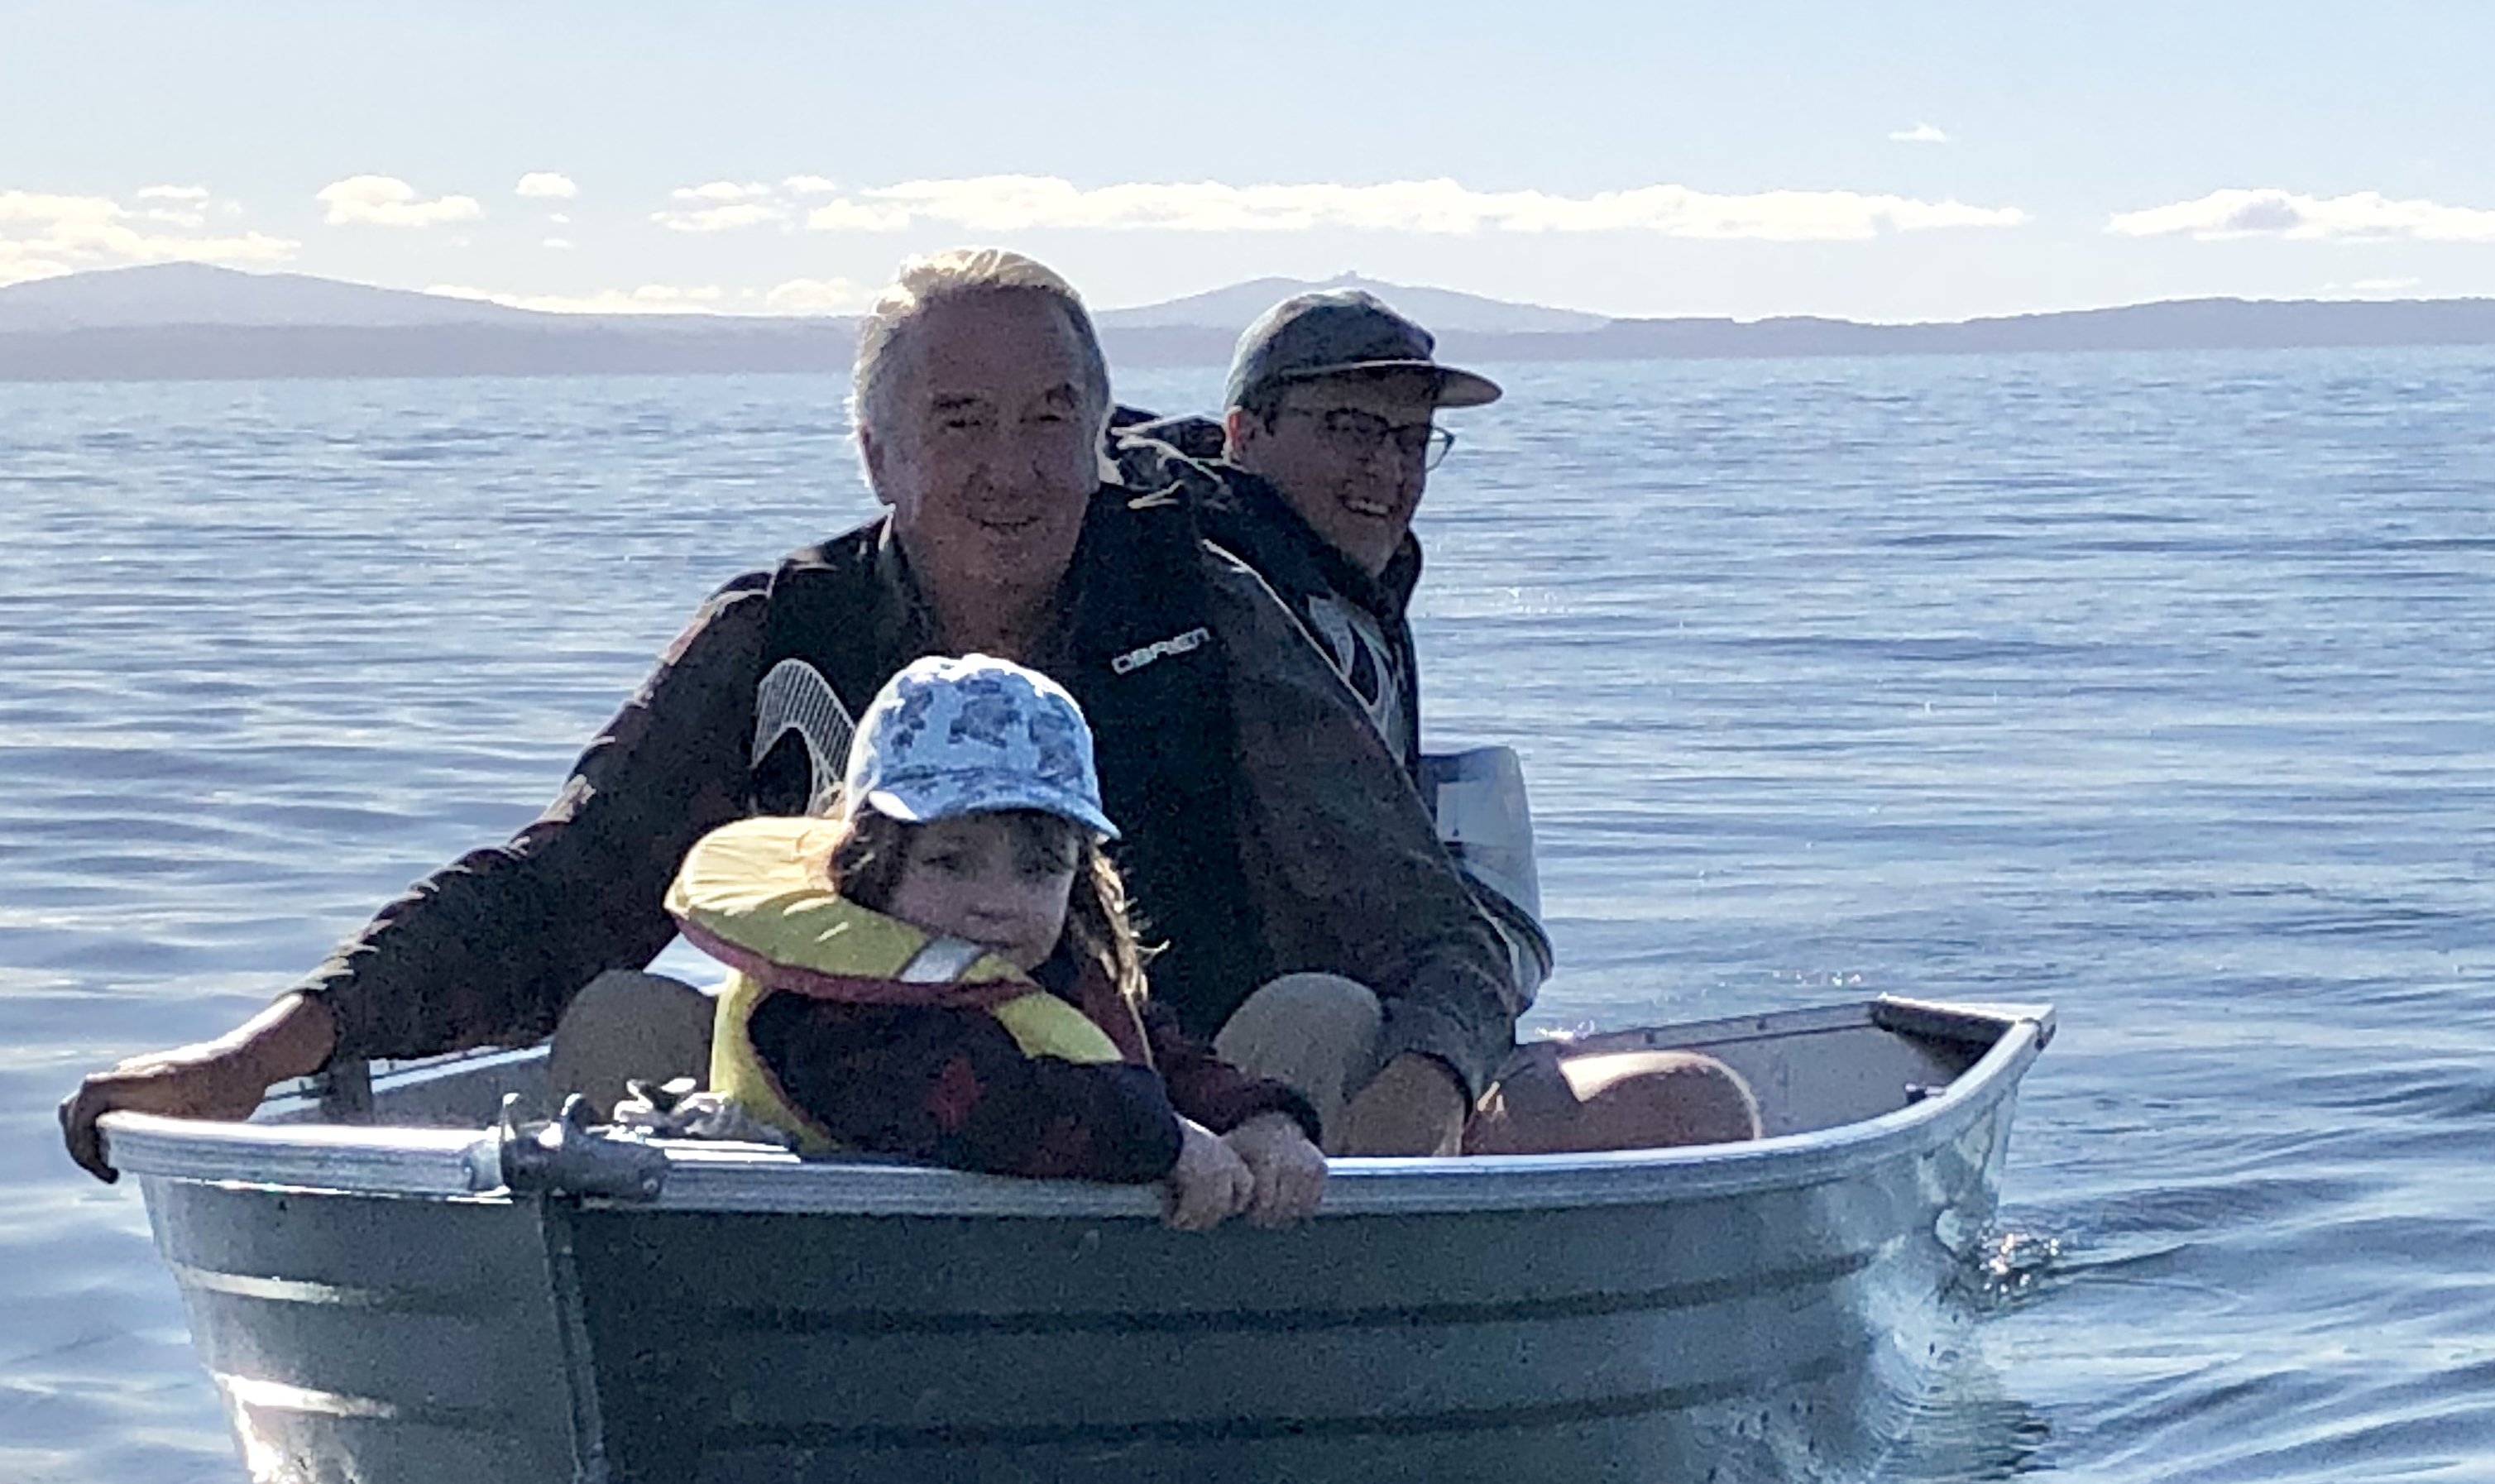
(1477, 797)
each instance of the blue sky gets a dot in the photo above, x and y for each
(1893, 161)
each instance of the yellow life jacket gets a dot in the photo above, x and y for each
(754, 895)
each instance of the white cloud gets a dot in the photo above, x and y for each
(42, 237)
(721, 190)
(26, 206)
(849, 216)
(2239, 213)
(1009, 203)
(809, 185)
(385, 200)
(722, 205)
(719, 218)
(559, 244)
(546, 185)
(649, 298)
(1921, 134)
(817, 295)
(173, 193)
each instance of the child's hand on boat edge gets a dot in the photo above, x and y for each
(1290, 1172)
(1265, 1169)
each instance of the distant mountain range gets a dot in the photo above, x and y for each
(193, 322)
(195, 294)
(1443, 309)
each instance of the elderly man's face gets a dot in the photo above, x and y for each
(993, 451)
(1347, 454)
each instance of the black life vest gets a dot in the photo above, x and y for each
(1138, 651)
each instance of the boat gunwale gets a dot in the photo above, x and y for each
(464, 1165)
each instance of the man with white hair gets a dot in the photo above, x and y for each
(1245, 784)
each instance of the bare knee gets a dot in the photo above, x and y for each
(1680, 1096)
(1316, 1031)
(1554, 1102)
(624, 1027)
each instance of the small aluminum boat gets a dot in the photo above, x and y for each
(444, 1291)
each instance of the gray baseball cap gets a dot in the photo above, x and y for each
(1334, 331)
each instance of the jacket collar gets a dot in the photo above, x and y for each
(1253, 498)
(906, 625)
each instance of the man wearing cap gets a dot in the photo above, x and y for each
(1326, 440)
(1312, 474)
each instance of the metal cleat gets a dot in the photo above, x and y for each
(568, 1155)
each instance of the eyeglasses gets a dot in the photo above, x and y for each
(1354, 433)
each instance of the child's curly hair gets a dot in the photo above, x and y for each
(869, 850)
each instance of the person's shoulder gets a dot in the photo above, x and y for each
(1230, 506)
(1187, 433)
(741, 597)
(743, 600)
(839, 551)
(1245, 603)
(852, 547)
(1176, 456)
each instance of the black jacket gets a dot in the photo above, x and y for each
(1279, 835)
(1359, 621)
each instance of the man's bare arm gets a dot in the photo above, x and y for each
(225, 1078)
(490, 949)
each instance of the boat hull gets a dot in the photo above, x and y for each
(1743, 1312)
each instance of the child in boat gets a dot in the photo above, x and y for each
(944, 969)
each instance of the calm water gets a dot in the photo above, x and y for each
(2157, 687)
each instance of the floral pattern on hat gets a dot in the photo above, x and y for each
(950, 736)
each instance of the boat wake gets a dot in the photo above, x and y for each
(2006, 1269)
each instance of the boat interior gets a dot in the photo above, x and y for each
(1812, 1069)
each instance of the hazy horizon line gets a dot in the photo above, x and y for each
(669, 306)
